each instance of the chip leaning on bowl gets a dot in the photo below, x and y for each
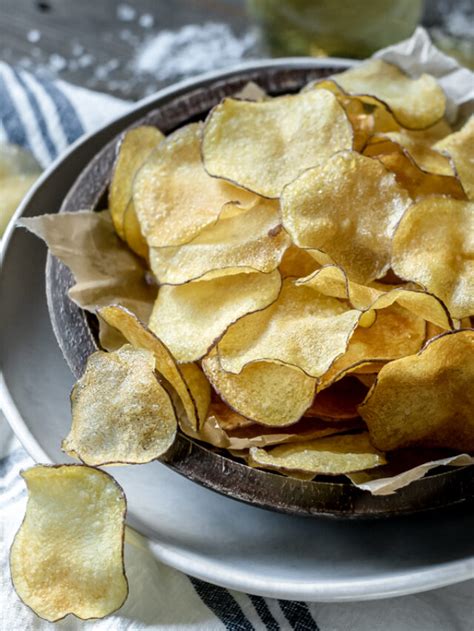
(291, 279)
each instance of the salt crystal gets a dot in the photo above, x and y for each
(33, 36)
(85, 61)
(146, 20)
(77, 49)
(57, 63)
(126, 13)
(192, 49)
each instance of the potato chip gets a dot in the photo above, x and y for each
(333, 455)
(67, 556)
(301, 328)
(338, 401)
(434, 246)
(173, 195)
(265, 392)
(132, 233)
(190, 318)
(134, 148)
(417, 182)
(395, 333)
(263, 145)
(297, 263)
(460, 148)
(215, 432)
(241, 240)
(120, 411)
(140, 337)
(348, 209)
(415, 103)
(332, 281)
(199, 387)
(420, 150)
(366, 114)
(426, 399)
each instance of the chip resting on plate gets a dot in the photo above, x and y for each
(240, 240)
(140, 336)
(416, 103)
(348, 209)
(265, 392)
(333, 455)
(67, 556)
(425, 400)
(120, 411)
(263, 145)
(190, 318)
(302, 328)
(173, 195)
(134, 148)
(434, 246)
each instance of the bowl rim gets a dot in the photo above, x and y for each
(132, 116)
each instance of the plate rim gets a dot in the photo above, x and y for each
(398, 584)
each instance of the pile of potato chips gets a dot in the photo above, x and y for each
(311, 259)
(313, 255)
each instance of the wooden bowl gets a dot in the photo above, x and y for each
(74, 329)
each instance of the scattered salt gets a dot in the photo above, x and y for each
(192, 49)
(85, 60)
(126, 13)
(77, 49)
(146, 20)
(33, 36)
(57, 62)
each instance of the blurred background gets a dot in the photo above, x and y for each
(131, 49)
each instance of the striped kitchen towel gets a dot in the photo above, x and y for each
(44, 117)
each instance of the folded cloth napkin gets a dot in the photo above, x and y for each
(45, 117)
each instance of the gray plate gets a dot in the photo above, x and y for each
(205, 534)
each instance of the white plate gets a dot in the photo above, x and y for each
(191, 528)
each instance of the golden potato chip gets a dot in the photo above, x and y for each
(173, 195)
(227, 418)
(434, 246)
(297, 263)
(132, 233)
(301, 328)
(217, 432)
(415, 103)
(265, 392)
(333, 455)
(460, 148)
(190, 318)
(120, 411)
(367, 379)
(263, 145)
(332, 281)
(140, 336)
(241, 240)
(134, 148)
(349, 209)
(199, 387)
(367, 114)
(419, 148)
(426, 399)
(395, 333)
(67, 556)
(417, 182)
(339, 401)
